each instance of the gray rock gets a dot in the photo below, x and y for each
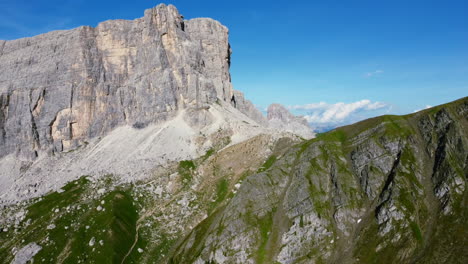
(280, 118)
(61, 88)
(245, 106)
(383, 185)
(26, 253)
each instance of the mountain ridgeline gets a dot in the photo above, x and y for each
(126, 143)
(59, 89)
(391, 189)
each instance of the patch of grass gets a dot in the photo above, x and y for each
(334, 135)
(450, 235)
(268, 163)
(265, 225)
(407, 201)
(416, 231)
(160, 251)
(187, 165)
(185, 170)
(222, 190)
(303, 147)
(208, 154)
(200, 232)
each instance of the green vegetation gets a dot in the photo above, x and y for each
(334, 135)
(222, 190)
(208, 154)
(416, 231)
(185, 169)
(160, 251)
(265, 225)
(200, 232)
(268, 163)
(366, 248)
(321, 203)
(70, 227)
(407, 201)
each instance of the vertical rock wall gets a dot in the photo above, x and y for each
(61, 88)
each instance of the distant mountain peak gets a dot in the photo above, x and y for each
(281, 118)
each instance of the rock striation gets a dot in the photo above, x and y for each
(59, 89)
(121, 98)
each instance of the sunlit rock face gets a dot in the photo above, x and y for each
(280, 118)
(157, 160)
(60, 88)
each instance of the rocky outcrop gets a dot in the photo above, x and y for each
(280, 118)
(59, 89)
(245, 106)
(25, 254)
(389, 189)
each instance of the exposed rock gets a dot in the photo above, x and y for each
(280, 118)
(191, 172)
(245, 106)
(388, 188)
(26, 253)
(61, 88)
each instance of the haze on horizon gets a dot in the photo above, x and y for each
(335, 62)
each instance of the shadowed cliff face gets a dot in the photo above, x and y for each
(386, 190)
(61, 88)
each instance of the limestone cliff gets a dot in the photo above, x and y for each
(156, 159)
(59, 89)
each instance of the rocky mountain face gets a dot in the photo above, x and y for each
(391, 189)
(386, 190)
(126, 143)
(280, 118)
(108, 100)
(59, 89)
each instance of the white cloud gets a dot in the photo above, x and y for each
(370, 74)
(339, 113)
(417, 110)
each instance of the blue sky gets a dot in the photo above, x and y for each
(334, 61)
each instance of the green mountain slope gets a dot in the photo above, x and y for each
(391, 189)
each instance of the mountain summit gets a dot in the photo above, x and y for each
(58, 90)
